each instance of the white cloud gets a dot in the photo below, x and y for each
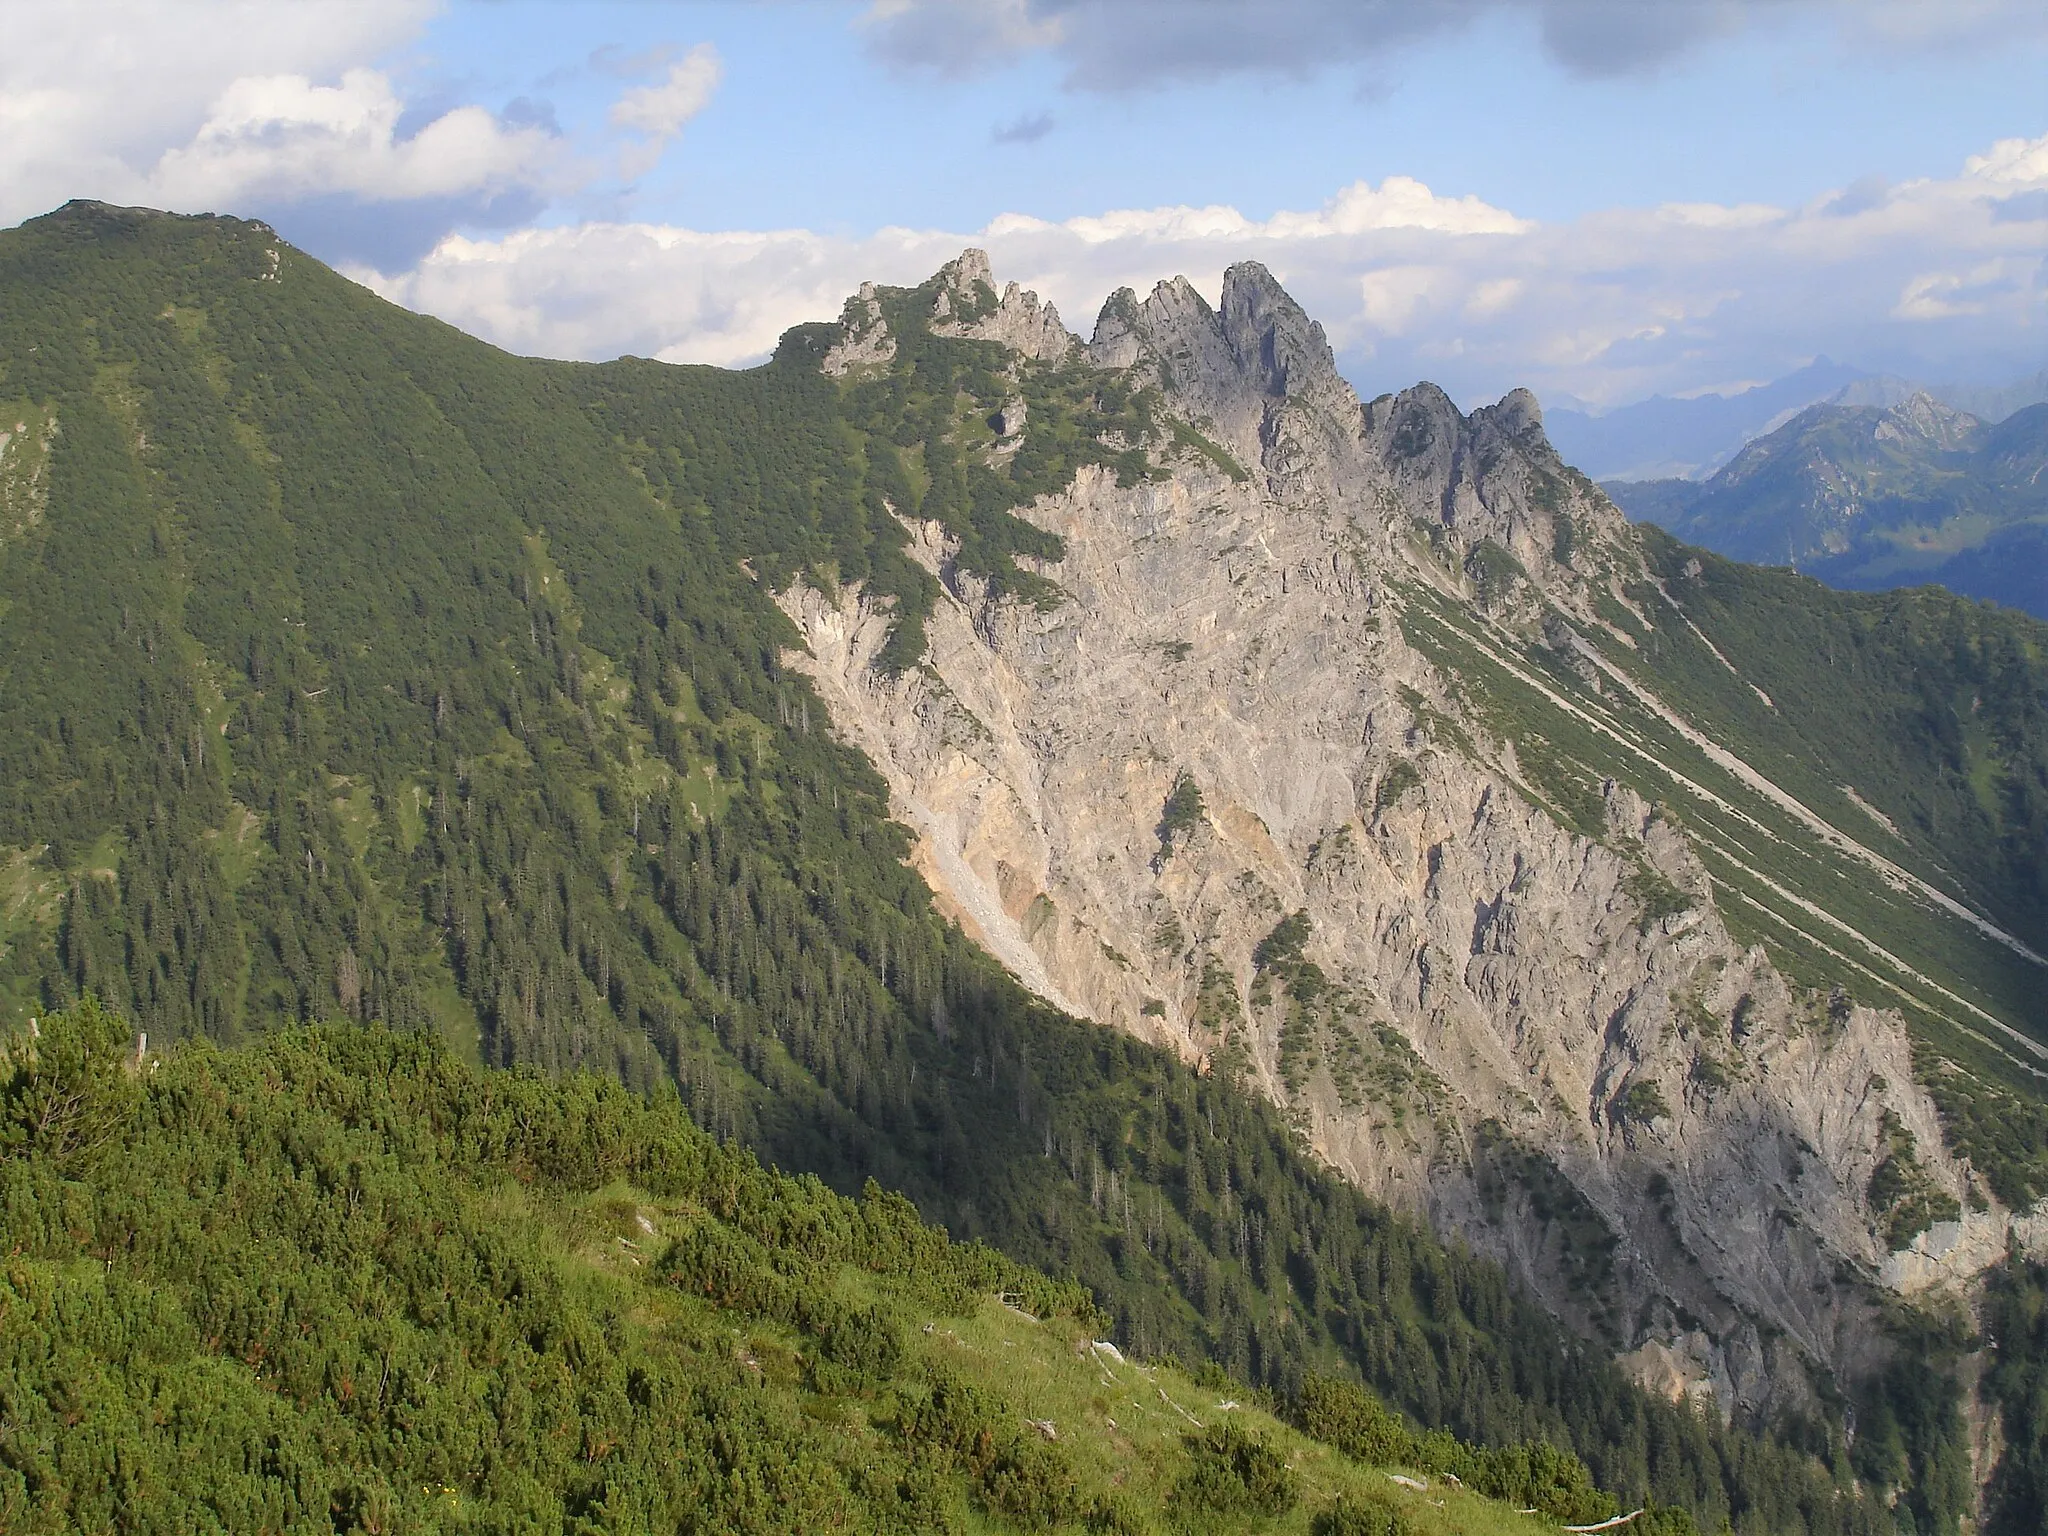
(285, 137)
(91, 93)
(2011, 162)
(1610, 306)
(599, 290)
(659, 111)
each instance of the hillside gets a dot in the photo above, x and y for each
(341, 1282)
(1868, 497)
(352, 670)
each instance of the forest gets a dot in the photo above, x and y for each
(355, 673)
(341, 1281)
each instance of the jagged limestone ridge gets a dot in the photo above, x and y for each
(1563, 973)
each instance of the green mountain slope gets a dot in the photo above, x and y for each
(1866, 498)
(350, 669)
(1865, 779)
(341, 1282)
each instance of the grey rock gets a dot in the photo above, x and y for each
(1535, 1042)
(1018, 319)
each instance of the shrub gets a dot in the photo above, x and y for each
(1183, 813)
(67, 1091)
(1234, 1471)
(1358, 1517)
(1347, 1416)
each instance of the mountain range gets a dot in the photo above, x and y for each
(1869, 496)
(1309, 874)
(1689, 438)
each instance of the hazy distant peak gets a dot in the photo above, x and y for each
(1922, 416)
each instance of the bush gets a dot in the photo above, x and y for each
(1183, 812)
(1234, 1471)
(1358, 1517)
(1342, 1414)
(69, 1088)
(1017, 1474)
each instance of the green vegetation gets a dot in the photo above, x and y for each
(1654, 893)
(1233, 1471)
(1183, 813)
(1401, 776)
(339, 1281)
(1495, 573)
(1538, 1475)
(1642, 1102)
(356, 671)
(1185, 436)
(2016, 1318)
(1907, 1201)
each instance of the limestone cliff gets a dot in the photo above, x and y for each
(1217, 798)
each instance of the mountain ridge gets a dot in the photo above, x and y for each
(1873, 496)
(1690, 437)
(459, 699)
(1000, 823)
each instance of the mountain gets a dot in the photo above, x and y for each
(1663, 438)
(1370, 754)
(1869, 497)
(1130, 796)
(1688, 439)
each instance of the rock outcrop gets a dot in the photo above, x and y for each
(864, 341)
(1215, 798)
(967, 306)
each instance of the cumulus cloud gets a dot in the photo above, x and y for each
(283, 137)
(1410, 283)
(215, 105)
(91, 94)
(660, 110)
(1118, 44)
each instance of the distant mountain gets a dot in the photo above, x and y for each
(1663, 438)
(1865, 496)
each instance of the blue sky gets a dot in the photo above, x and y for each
(1603, 198)
(811, 127)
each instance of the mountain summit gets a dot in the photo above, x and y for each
(1366, 751)
(1879, 496)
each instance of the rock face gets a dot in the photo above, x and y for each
(865, 340)
(967, 307)
(1215, 799)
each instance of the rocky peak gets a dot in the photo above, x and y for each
(1922, 416)
(864, 339)
(1277, 347)
(1258, 374)
(966, 271)
(1491, 475)
(967, 306)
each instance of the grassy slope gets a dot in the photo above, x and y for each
(1912, 723)
(341, 1282)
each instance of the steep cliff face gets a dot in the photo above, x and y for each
(1215, 796)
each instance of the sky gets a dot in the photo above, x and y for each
(1598, 199)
